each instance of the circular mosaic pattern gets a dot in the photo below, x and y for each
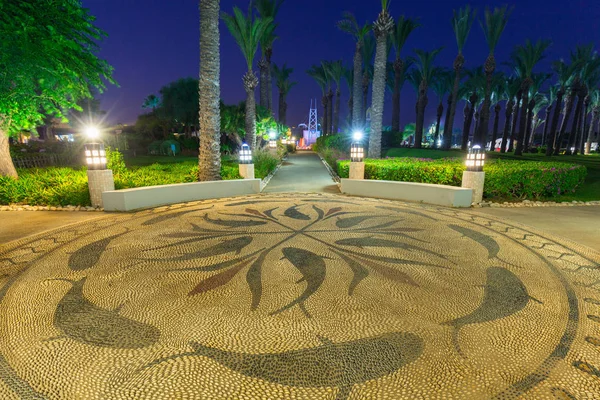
(304, 297)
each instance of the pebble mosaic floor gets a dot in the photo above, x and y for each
(299, 297)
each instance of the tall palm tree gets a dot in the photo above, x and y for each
(565, 73)
(462, 21)
(349, 25)
(283, 83)
(533, 108)
(526, 57)
(498, 95)
(551, 96)
(268, 9)
(335, 70)
(348, 75)
(589, 77)
(540, 101)
(264, 65)
(474, 84)
(595, 105)
(424, 73)
(382, 28)
(368, 53)
(317, 72)
(404, 27)
(442, 85)
(513, 88)
(493, 26)
(247, 32)
(209, 88)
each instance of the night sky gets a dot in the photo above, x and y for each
(153, 42)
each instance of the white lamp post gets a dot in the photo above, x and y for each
(246, 165)
(357, 157)
(474, 176)
(100, 179)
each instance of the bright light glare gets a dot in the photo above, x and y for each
(357, 135)
(477, 146)
(272, 134)
(92, 132)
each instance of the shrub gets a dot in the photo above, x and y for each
(505, 179)
(264, 163)
(115, 161)
(339, 142)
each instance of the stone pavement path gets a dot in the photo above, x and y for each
(302, 172)
(299, 296)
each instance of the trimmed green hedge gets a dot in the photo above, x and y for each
(505, 179)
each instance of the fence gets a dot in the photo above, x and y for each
(46, 160)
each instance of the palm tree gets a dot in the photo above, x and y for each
(268, 9)
(209, 115)
(551, 96)
(403, 29)
(283, 83)
(264, 65)
(540, 101)
(526, 57)
(152, 102)
(348, 75)
(498, 95)
(513, 88)
(442, 85)
(595, 105)
(349, 25)
(461, 24)
(368, 53)
(424, 73)
(494, 25)
(317, 72)
(565, 74)
(473, 92)
(533, 108)
(381, 28)
(247, 32)
(335, 70)
(589, 76)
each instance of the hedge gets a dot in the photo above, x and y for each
(504, 179)
(68, 186)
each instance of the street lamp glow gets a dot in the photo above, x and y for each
(272, 134)
(92, 132)
(357, 136)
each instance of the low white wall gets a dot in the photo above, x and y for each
(154, 196)
(441, 195)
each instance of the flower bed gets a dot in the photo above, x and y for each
(506, 179)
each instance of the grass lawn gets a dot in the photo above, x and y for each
(589, 191)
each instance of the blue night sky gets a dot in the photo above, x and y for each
(153, 42)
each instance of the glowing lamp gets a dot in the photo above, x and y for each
(95, 156)
(475, 159)
(92, 132)
(272, 144)
(272, 134)
(357, 152)
(357, 136)
(245, 154)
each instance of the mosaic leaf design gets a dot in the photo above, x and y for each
(87, 256)
(234, 223)
(82, 321)
(340, 365)
(254, 279)
(587, 368)
(562, 394)
(167, 216)
(589, 300)
(217, 280)
(333, 211)
(320, 212)
(376, 242)
(391, 273)
(293, 213)
(219, 265)
(234, 245)
(312, 268)
(593, 341)
(486, 241)
(359, 271)
(269, 213)
(255, 212)
(504, 295)
(352, 221)
(405, 211)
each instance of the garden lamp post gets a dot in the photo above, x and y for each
(100, 179)
(357, 157)
(272, 141)
(474, 176)
(246, 164)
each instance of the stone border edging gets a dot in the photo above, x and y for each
(333, 174)
(25, 207)
(265, 181)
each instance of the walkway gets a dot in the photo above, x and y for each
(299, 296)
(302, 172)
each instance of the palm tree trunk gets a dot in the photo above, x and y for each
(469, 122)
(588, 143)
(281, 112)
(482, 132)
(497, 110)
(523, 120)
(398, 71)
(583, 128)
(350, 107)
(209, 88)
(476, 129)
(263, 100)
(330, 111)
(325, 114)
(466, 127)
(7, 168)
(513, 128)
(269, 54)
(528, 127)
(569, 103)
(448, 107)
(510, 105)
(440, 112)
(285, 106)
(377, 98)
(250, 83)
(336, 110)
(546, 123)
(421, 105)
(365, 94)
(551, 140)
(449, 124)
(574, 127)
(357, 90)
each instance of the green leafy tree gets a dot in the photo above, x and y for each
(349, 25)
(151, 102)
(382, 28)
(47, 63)
(180, 103)
(247, 31)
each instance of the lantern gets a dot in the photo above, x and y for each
(357, 152)
(245, 154)
(475, 159)
(272, 144)
(95, 156)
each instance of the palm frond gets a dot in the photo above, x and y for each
(404, 27)
(462, 21)
(247, 31)
(493, 25)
